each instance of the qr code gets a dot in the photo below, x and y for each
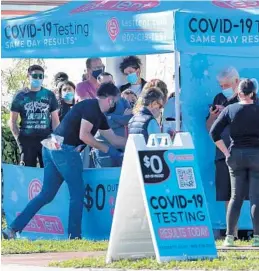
(185, 177)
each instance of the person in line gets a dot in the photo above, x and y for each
(117, 118)
(105, 77)
(144, 120)
(130, 96)
(242, 156)
(131, 68)
(169, 113)
(37, 108)
(63, 163)
(66, 98)
(58, 79)
(228, 80)
(88, 88)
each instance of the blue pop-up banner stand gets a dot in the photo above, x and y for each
(226, 37)
(21, 184)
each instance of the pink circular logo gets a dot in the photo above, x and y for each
(34, 188)
(171, 157)
(236, 4)
(113, 28)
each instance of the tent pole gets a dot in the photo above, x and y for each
(177, 92)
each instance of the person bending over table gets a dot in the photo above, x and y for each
(65, 164)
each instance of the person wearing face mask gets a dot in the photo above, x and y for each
(63, 162)
(145, 117)
(131, 68)
(130, 96)
(228, 80)
(118, 117)
(242, 157)
(66, 98)
(37, 108)
(88, 88)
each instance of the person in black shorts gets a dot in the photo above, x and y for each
(228, 80)
(62, 161)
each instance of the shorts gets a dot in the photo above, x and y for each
(222, 179)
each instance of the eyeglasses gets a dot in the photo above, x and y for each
(37, 76)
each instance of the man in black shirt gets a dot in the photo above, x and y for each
(63, 162)
(228, 80)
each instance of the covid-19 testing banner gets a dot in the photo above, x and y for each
(213, 45)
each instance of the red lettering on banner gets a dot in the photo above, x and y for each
(45, 224)
(184, 157)
(183, 232)
(134, 5)
(236, 4)
(34, 188)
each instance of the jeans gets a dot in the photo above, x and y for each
(101, 159)
(59, 165)
(243, 166)
(30, 150)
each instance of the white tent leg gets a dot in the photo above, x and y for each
(177, 92)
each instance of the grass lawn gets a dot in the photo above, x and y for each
(41, 246)
(230, 260)
(226, 261)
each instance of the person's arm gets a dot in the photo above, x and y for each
(86, 136)
(13, 124)
(122, 119)
(55, 119)
(221, 145)
(217, 128)
(115, 140)
(54, 111)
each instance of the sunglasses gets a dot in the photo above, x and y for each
(37, 76)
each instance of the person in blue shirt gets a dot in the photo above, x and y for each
(117, 118)
(144, 120)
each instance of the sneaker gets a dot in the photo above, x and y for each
(229, 241)
(9, 233)
(255, 242)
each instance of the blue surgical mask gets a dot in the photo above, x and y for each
(132, 78)
(228, 92)
(68, 96)
(36, 83)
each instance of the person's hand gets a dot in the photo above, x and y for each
(128, 111)
(112, 152)
(220, 107)
(216, 111)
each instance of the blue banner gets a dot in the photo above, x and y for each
(199, 87)
(21, 184)
(177, 204)
(231, 31)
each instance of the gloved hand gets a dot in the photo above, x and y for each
(114, 152)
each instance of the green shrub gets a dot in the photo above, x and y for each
(10, 152)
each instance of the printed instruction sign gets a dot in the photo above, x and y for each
(161, 208)
(177, 204)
